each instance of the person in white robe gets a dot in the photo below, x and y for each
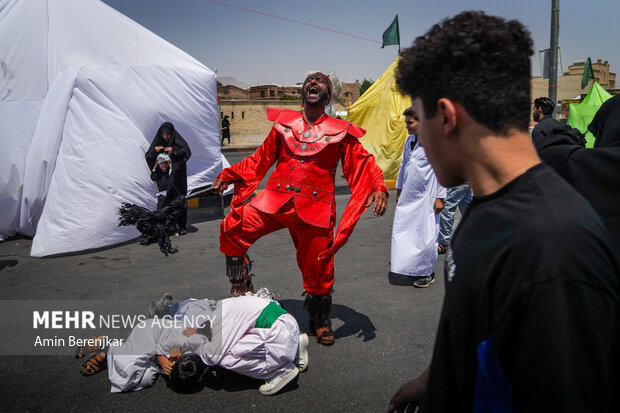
(419, 200)
(249, 335)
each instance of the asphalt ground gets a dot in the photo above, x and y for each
(385, 333)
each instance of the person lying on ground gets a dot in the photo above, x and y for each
(249, 335)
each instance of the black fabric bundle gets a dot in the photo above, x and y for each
(606, 123)
(593, 172)
(155, 226)
(549, 126)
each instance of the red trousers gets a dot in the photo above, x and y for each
(318, 276)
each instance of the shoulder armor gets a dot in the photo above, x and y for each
(356, 131)
(308, 140)
(274, 114)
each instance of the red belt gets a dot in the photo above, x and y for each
(302, 190)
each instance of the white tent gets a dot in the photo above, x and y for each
(83, 90)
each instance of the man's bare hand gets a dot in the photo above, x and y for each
(439, 205)
(410, 395)
(406, 399)
(190, 332)
(166, 364)
(380, 200)
(220, 185)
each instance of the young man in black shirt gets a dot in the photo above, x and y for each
(546, 126)
(529, 321)
(542, 114)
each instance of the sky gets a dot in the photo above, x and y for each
(260, 49)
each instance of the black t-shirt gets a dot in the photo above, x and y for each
(533, 270)
(546, 125)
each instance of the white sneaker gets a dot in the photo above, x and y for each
(275, 384)
(301, 361)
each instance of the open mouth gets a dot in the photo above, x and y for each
(313, 90)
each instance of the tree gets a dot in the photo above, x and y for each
(365, 85)
(219, 83)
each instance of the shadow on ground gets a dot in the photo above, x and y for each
(219, 379)
(355, 323)
(7, 263)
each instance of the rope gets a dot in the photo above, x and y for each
(292, 21)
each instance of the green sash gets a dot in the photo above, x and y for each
(269, 315)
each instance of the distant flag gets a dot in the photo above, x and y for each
(391, 37)
(588, 73)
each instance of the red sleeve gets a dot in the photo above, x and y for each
(250, 171)
(364, 177)
(254, 168)
(360, 168)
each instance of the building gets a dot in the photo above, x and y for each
(247, 108)
(274, 92)
(601, 72)
(248, 120)
(349, 94)
(232, 92)
(569, 84)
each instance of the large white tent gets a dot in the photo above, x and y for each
(83, 90)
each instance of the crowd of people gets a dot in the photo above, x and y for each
(530, 319)
(530, 314)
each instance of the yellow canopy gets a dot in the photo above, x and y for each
(380, 111)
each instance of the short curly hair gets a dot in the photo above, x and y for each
(477, 60)
(545, 104)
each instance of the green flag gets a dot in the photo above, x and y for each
(588, 73)
(392, 36)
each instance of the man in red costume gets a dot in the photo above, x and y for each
(300, 196)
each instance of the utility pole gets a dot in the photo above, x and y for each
(553, 53)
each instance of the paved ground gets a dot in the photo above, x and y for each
(384, 333)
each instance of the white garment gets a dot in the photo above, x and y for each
(133, 366)
(416, 226)
(236, 345)
(259, 353)
(80, 84)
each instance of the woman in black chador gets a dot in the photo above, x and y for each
(168, 141)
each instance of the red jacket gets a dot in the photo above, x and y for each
(307, 157)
